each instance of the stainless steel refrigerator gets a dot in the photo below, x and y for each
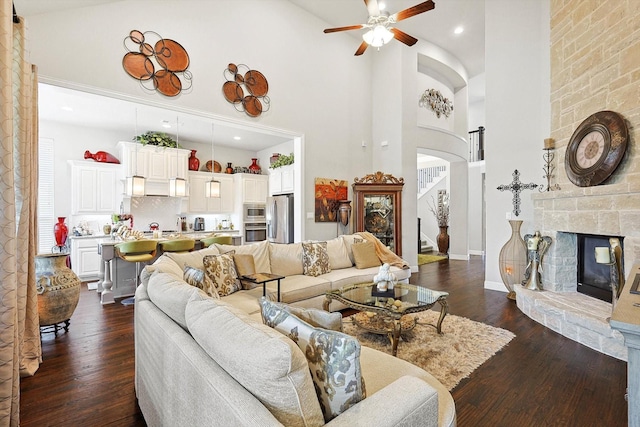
(280, 219)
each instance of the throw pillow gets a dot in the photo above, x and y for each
(349, 240)
(334, 359)
(364, 255)
(245, 265)
(196, 277)
(313, 316)
(338, 254)
(221, 270)
(315, 259)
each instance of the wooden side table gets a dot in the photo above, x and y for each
(263, 279)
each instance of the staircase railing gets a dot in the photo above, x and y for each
(427, 175)
(476, 145)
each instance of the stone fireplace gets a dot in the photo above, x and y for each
(606, 210)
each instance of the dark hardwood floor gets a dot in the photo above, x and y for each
(539, 379)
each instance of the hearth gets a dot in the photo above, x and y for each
(593, 279)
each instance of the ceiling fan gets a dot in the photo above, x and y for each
(380, 25)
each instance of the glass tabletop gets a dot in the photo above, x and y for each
(402, 297)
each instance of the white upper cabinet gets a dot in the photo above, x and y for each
(199, 203)
(281, 180)
(94, 187)
(152, 162)
(254, 187)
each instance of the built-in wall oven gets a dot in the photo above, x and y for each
(255, 223)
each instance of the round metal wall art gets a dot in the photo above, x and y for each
(241, 78)
(157, 63)
(435, 101)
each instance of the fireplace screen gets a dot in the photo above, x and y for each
(593, 279)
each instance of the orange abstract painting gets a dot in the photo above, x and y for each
(328, 193)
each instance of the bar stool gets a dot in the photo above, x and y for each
(177, 245)
(223, 240)
(136, 251)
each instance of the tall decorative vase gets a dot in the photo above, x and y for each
(229, 168)
(443, 240)
(344, 211)
(194, 162)
(58, 289)
(60, 231)
(512, 260)
(254, 167)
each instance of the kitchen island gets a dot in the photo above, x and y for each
(117, 277)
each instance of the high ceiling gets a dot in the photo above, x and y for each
(436, 26)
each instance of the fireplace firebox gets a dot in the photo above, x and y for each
(594, 279)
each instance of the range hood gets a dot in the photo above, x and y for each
(157, 188)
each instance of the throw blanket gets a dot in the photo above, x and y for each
(383, 252)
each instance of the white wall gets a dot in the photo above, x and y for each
(517, 113)
(316, 86)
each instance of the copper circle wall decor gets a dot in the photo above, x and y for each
(596, 148)
(156, 63)
(241, 78)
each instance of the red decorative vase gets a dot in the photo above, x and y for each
(229, 168)
(254, 167)
(194, 163)
(60, 231)
(101, 156)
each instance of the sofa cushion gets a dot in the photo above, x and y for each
(315, 259)
(221, 271)
(171, 295)
(364, 255)
(248, 301)
(338, 254)
(300, 287)
(286, 258)
(260, 252)
(313, 316)
(194, 258)
(334, 359)
(265, 362)
(245, 265)
(349, 240)
(352, 276)
(163, 264)
(196, 277)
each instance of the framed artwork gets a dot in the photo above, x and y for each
(327, 193)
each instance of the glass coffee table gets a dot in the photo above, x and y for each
(387, 312)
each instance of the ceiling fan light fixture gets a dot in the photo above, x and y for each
(378, 36)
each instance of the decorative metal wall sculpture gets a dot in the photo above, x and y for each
(255, 83)
(516, 187)
(434, 100)
(156, 65)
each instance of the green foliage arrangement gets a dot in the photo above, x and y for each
(160, 139)
(283, 160)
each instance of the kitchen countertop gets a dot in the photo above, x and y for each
(195, 234)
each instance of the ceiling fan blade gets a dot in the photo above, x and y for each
(372, 7)
(363, 46)
(413, 11)
(403, 37)
(351, 27)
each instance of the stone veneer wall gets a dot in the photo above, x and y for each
(595, 65)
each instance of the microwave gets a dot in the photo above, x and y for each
(255, 212)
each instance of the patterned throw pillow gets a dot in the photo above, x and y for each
(196, 277)
(333, 357)
(315, 259)
(221, 271)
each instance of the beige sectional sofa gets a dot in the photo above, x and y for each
(207, 361)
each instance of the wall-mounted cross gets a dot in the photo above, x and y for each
(516, 187)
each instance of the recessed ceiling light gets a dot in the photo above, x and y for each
(166, 124)
(66, 108)
(458, 30)
(237, 138)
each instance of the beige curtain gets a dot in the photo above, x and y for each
(20, 351)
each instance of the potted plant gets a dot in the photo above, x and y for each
(160, 139)
(282, 160)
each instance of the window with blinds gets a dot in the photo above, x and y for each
(46, 239)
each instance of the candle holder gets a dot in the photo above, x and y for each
(613, 258)
(548, 169)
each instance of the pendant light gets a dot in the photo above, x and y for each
(212, 188)
(177, 185)
(135, 184)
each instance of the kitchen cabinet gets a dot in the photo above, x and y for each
(254, 187)
(378, 208)
(281, 180)
(85, 260)
(199, 203)
(94, 187)
(153, 162)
